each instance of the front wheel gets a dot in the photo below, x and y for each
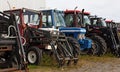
(34, 55)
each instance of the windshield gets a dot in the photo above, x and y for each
(103, 23)
(72, 20)
(59, 19)
(47, 20)
(109, 24)
(68, 20)
(50, 18)
(31, 19)
(99, 22)
(86, 20)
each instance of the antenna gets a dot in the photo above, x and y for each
(9, 5)
(75, 9)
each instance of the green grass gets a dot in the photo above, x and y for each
(49, 64)
(103, 58)
(47, 61)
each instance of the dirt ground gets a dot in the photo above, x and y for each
(85, 64)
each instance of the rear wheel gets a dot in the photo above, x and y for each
(99, 46)
(34, 55)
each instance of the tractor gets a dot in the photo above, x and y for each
(108, 31)
(114, 24)
(12, 55)
(115, 37)
(77, 18)
(53, 19)
(38, 40)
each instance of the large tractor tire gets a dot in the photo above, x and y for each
(99, 46)
(75, 48)
(34, 55)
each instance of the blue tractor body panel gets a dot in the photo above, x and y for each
(74, 31)
(85, 43)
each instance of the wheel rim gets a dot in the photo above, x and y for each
(32, 57)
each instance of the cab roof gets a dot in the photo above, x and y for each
(48, 10)
(77, 11)
(108, 21)
(21, 10)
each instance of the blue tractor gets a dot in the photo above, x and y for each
(54, 20)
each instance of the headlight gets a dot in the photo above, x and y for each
(54, 32)
(81, 36)
(49, 47)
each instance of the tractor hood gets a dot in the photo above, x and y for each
(49, 29)
(73, 29)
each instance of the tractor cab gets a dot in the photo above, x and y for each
(98, 25)
(26, 17)
(98, 22)
(52, 20)
(111, 23)
(74, 18)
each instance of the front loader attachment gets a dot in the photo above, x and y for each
(12, 56)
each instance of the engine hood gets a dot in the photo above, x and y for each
(73, 29)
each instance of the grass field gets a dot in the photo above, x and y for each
(49, 64)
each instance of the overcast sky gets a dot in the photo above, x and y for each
(109, 9)
(32, 4)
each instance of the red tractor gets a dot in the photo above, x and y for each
(114, 24)
(23, 17)
(108, 31)
(115, 37)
